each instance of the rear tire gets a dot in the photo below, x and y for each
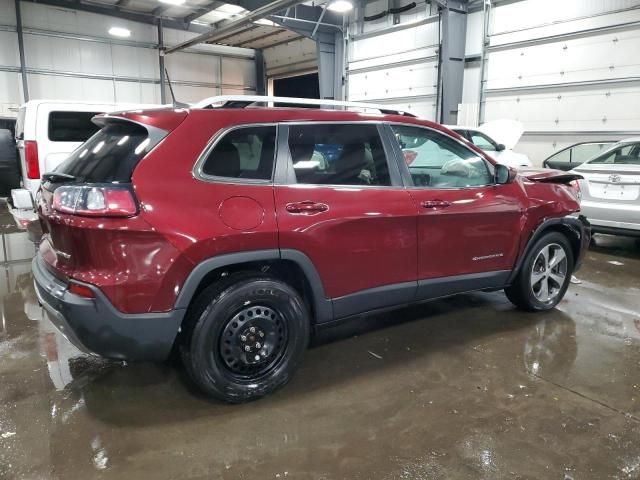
(545, 274)
(247, 337)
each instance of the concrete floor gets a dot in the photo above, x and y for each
(462, 388)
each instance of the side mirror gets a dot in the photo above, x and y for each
(503, 174)
(500, 147)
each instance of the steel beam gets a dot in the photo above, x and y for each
(23, 64)
(234, 25)
(115, 11)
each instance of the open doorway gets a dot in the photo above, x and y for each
(300, 86)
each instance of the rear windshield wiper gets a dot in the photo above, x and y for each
(56, 177)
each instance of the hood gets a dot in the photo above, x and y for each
(505, 131)
(546, 175)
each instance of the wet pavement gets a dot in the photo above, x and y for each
(466, 387)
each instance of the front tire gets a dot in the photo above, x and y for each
(248, 336)
(545, 274)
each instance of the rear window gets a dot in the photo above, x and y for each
(110, 155)
(624, 155)
(245, 152)
(71, 126)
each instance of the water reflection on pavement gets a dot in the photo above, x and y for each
(465, 387)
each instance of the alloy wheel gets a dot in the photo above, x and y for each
(549, 272)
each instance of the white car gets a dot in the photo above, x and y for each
(47, 131)
(610, 189)
(498, 139)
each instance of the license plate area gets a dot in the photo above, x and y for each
(612, 191)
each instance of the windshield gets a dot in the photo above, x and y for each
(109, 156)
(625, 154)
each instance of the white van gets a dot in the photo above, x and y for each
(47, 131)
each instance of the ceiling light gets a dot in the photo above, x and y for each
(340, 6)
(264, 21)
(119, 32)
(172, 2)
(232, 9)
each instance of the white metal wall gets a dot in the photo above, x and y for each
(568, 70)
(395, 64)
(69, 55)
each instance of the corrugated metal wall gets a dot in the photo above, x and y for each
(69, 55)
(568, 70)
(395, 63)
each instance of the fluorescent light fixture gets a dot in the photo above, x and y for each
(228, 8)
(119, 32)
(340, 6)
(172, 2)
(199, 22)
(264, 21)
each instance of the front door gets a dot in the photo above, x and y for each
(468, 227)
(344, 207)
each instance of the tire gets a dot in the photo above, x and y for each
(528, 292)
(247, 336)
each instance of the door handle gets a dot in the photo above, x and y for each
(307, 207)
(435, 204)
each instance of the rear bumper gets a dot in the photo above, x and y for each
(95, 326)
(582, 227)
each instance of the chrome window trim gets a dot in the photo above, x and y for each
(490, 166)
(198, 174)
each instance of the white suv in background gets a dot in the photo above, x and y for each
(498, 139)
(47, 131)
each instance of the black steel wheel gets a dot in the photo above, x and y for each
(253, 341)
(245, 336)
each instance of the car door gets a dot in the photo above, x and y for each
(468, 226)
(342, 204)
(575, 155)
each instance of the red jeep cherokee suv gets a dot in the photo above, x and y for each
(230, 233)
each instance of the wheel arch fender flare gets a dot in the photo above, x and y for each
(578, 233)
(323, 307)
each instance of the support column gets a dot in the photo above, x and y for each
(23, 65)
(163, 95)
(330, 55)
(454, 31)
(261, 80)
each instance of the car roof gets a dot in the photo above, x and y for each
(278, 114)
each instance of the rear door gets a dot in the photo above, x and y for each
(342, 204)
(468, 227)
(575, 155)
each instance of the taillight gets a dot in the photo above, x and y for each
(81, 290)
(31, 159)
(576, 186)
(104, 201)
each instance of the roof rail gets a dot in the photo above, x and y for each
(242, 101)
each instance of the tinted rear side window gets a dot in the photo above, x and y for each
(245, 152)
(71, 126)
(110, 155)
(338, 154)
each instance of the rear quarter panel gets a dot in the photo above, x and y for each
(186, 210)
